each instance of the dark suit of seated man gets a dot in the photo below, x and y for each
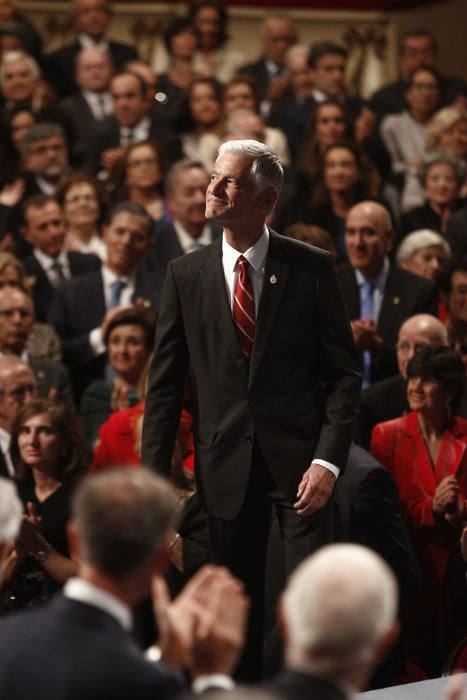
(338, 616)
(84, 306)
(379, 295)
(185, 186)
(49, 264)
(16, 323)
(79, 647)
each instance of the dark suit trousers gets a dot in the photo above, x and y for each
(241, 545)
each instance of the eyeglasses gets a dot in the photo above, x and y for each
(9, 313)
(19, 392)
(432, 87)
(404, 346)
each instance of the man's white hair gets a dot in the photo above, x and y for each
(266, 169)
(11, 511)
(16, 56)
(338, 605)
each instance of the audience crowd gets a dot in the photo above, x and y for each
(103, 172)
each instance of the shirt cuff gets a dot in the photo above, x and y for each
(96, 342)
(213, 680)
(327, 465)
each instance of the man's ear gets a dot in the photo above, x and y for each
(25, 233)
(386, 642)
(268, 198)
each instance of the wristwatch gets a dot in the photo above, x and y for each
(42, 554)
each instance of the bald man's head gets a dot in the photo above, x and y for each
(278, 35)
(93, 69)
(415, 333)
(368, 237)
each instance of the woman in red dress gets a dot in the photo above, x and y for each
(426, 452)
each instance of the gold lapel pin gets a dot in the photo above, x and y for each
(273, 279)
(396, 300)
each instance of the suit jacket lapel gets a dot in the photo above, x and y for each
(213, 280)
(390, 305)
(275, 278)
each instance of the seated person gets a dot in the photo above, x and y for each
(425, 452)
(128, 338)
(424, 253)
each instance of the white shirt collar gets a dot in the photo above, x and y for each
(5, 440)
(87, 42)
(255, 255)
(44, 186)
(109, 277)
(85, 592)
(47, 262)
(187, 241)
(379, 281)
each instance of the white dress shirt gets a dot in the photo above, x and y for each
(186, 241)
(48, 265)
(108, 278)
(379, 285)
(139, 132)
(256, 256)
(5, 440)
(85, 592)
(100, 103)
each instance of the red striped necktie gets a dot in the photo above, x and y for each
(244, 308)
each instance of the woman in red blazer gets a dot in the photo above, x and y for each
(426, 452)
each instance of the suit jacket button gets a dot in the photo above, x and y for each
(249, 439)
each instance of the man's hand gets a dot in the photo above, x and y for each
(12, 192)
(314, 489)
(446, 496)
(277, 88)
(203, 629)
(365, 335)
(111, 156)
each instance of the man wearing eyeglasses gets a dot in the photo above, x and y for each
(17, 387)
(387, 399)
(16, 323)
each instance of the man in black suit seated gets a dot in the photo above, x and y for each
(80, 645)
(379, 295)
(50, 264)
(91, 22)
(16, 322)
(133, 121)
(269, 73)
(17, 387)
(417, 48)
(338, 618)
(185, 186)
(387, 399)
(84, 306)
(92, 102)
(44, 150)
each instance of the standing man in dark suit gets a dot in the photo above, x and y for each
(269, 72)
(91, 22)
(50, 264)
(338, 618)
(92, 102)
(84, 306)
(261, 322)
(120, 526)
(185, 187)
(133, 121)
(379, 295)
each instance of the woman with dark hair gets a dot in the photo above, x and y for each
(49, 457)
(15, 126)
(330, 121)
(83, 205)
(180, 41)
(129, 338)
(213, 59)
(426, 452)
(202, 121)
(138, 178)
(345, 178)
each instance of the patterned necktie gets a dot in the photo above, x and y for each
(367, 312)
(116, 289)
(59, 275)
(244, 308)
